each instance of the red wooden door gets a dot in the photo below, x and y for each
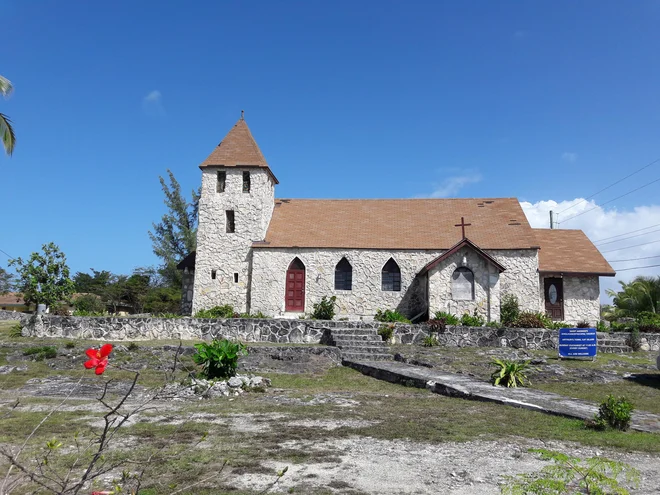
(295, 290)
(554, 298)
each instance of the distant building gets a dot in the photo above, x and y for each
(419, 256)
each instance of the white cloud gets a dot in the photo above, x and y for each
(152, 104)
(569, 157)
(601, 225)
(452, 185)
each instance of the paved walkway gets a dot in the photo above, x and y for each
(468, 388)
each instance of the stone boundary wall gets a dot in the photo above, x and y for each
(288, 331)
(11, 315)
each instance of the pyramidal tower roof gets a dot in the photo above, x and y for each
(238, 149)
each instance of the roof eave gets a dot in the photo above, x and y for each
(270, 172)
(454, 249)
(583, 274)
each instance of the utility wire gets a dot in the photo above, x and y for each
(636, 268)
(611, 185)
(633, 259)
(626, 233)
(7, 255)
(629, 247)
(629, 237)
(607, 202)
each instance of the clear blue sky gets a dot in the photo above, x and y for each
(543, 100)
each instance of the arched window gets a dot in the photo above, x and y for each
(462, 284)
(391, 275)
(343, 275)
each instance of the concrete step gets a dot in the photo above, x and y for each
(356, 338)
(362, 357)
(364, 349)
(354, 331)
(612, 349)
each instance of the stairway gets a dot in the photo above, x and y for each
(612, 345)
(360, 344)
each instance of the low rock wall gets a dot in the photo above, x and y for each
(11, 315)
(289, 331)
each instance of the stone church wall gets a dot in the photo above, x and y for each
(229, 253)
(269, 268)
(521, 276)
(581, 299)
(187, 292)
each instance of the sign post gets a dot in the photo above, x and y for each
(577, 343)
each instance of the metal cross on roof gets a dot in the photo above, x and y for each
(462, 225)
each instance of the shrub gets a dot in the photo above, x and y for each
(390, 316)
(69, 345)
(133, 346)
(386, 332)
(324, 309)
(219, 358)
(510, 373)
(90, 303)
(583, 324)
(169, 315)
(430, 340)
(449, 318)
(16, 331)
(59, 310)
(258, 314)
(473, 320)
(509, 309)
(527, 319)
(616, 412)
(648, 322)
(226, 311)
(494, 324)
(601, 326)
(438, 325)
(635, 339)
(41, 353)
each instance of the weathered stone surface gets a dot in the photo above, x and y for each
(11, 315)
(235, 382)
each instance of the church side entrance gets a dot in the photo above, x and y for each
(295, 287)
(554, 298)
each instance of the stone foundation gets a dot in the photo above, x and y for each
(11, 315)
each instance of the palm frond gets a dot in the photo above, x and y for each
(7, 134)
(5, 86)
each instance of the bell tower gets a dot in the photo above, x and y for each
(235, 207)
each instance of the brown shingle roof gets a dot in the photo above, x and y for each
(11, 298)
(237, 149)
(570, 251)
(465, 242)
(497, 223)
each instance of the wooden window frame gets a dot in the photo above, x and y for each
(391, 279)
(343, 278)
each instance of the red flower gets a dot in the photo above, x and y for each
(98, 359)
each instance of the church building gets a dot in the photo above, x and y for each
(418, 256)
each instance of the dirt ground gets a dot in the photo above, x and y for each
(337, 431)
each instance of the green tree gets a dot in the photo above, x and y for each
(6, 281)
(44, 278)
(642, 294)
(175, 236)
(163, 300)
(95, 283)
(6, 129)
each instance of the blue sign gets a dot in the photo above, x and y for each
(577, 342)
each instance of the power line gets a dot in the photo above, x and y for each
(636, 268)
(633, 259)
(629, 247)
(629, 237)
(626, 233)
(7, 255)
(606, 202)
(611, 185)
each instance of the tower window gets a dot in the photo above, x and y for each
(213, 274)
(246, 181)
(230, 221)
(222, 178)
(235, 277)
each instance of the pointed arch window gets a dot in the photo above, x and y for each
(462, 284)
(391, 276)
(343, 275)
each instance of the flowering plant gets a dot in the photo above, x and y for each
(98, 359)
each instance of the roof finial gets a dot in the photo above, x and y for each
(242, 114)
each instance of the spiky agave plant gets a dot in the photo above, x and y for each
(510, 373)
(6, 129)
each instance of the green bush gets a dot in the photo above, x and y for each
(449, 318)
(510, 373)
(472, 320)
(430, 340)
(69, 345)
(648, 322)
(602, 327)
(226, 311)
(219, 358)
(59, 310)
(41, 353)
(527, 319)
(494, 324)
(79, 312)
(258, 314)
(169, 316)
(386, 332)
(324, 309)
(509, 309)
(16, 330)
(390, 316)
(635, 339)
(616, 412)
(90, 303)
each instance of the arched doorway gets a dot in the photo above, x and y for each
(295, 287)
